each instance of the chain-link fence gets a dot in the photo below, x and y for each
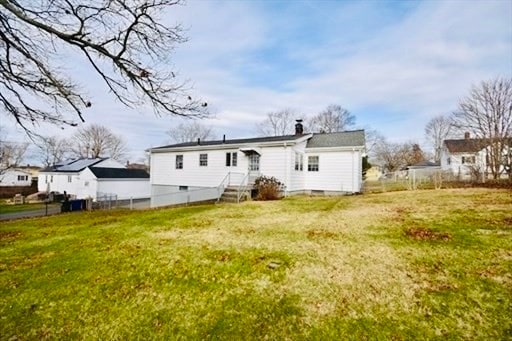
(107, 201)
(414, 179)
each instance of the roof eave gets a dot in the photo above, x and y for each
(339, 148)
(225, 146)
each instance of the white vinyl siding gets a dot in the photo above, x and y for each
(338, 171)
(163, 171)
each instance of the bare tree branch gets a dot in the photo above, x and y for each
(124, 41)
(97, 141)
(11, 153)
(487, 114)
(333, 119)
(53, 150)
(191, 131)
(437, 130)
(278, 123)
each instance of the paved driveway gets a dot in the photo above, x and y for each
(31, 214)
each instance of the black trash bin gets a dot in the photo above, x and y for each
(65, 206)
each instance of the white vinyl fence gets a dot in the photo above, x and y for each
(174, 197)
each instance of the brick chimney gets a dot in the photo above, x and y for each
(466, 135)
(299, 128)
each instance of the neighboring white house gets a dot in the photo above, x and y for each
(15, 177)
(466, 157)
(85, 178)
(304, 163)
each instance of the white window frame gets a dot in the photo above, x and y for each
(231, 159)
(299, 161)
(203, 160)
(313, 163)
(179, 161)
(472, 160)
(254, 162)
(70, 178)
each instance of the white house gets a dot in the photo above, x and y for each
(468, 156)
(15, 177)
(304, 163)
(85, 178)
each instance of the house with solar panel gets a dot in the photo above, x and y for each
(324, 163)
(92, 178)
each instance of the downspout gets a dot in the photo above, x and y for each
(286, 170)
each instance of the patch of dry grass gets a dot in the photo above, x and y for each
(401, 265)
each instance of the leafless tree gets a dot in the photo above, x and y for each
(53, 150)
(11, 153)
(97, 141)
(487, 114)
(278, 123)
(334, 118)
(437, 130)
(124, 42)
(191, 131)
(394, 156)
(372, 138)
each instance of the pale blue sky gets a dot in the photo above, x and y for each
(393, 64)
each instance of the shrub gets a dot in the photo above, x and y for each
(268, 188)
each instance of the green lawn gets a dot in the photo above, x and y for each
(398, 265)
(8, 208)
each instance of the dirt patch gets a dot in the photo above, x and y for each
(8, 236)
(508, 221)
(422, 233)
(322, 234)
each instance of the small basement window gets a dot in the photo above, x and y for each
(313, 163)
(183, 188)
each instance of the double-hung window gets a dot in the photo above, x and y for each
(179, 161)
(468, 160)
(70, 178)
(203, 160)
(231, 159)
(313, 164)
(299, 161)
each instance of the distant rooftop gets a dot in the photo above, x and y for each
(119, 173)
(73, 166)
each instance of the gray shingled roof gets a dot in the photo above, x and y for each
(234, 141)
(119, 173)
(73, 166)
(340, 139)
